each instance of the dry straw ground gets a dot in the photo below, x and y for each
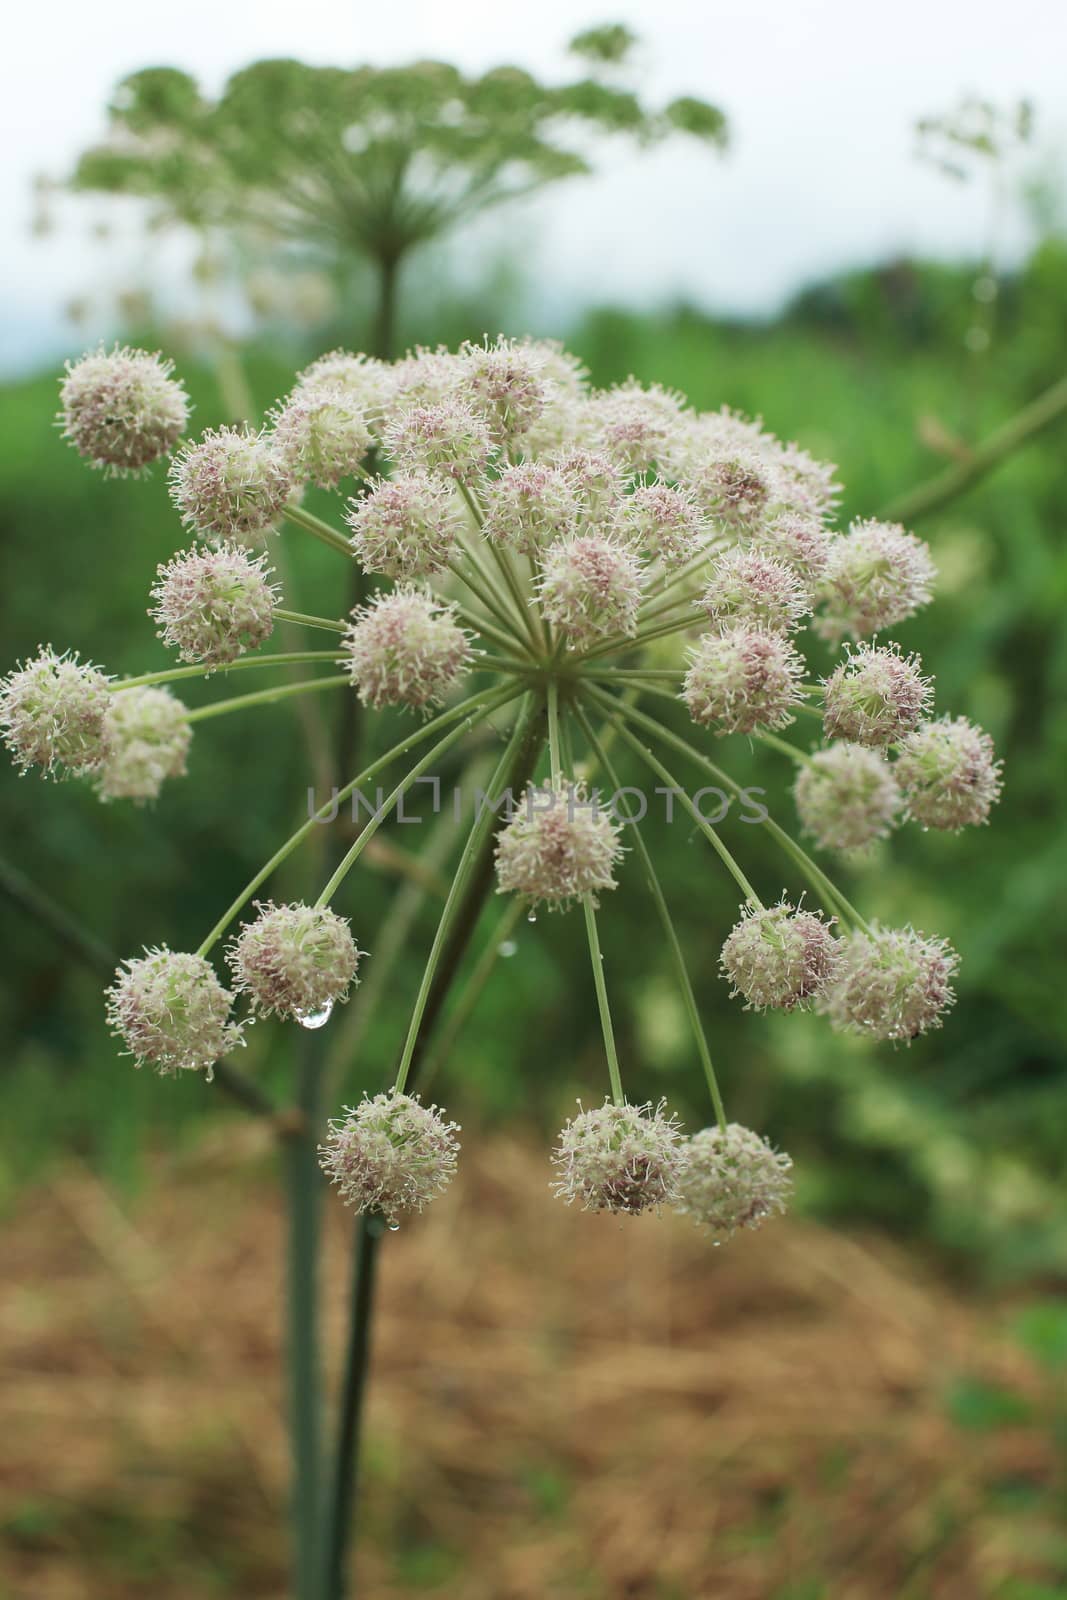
(564, 1406)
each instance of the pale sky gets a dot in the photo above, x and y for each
(822, 96)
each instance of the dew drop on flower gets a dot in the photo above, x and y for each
(531, 916)
(315, 1019)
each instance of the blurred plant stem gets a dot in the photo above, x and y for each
(459, 921)
(958, 478)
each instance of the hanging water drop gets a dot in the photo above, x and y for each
(315, 1019)
(394, 1227)
(508, 948)
(531, 916)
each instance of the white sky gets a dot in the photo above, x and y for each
(821, 95)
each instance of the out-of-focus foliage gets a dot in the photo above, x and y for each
(368, 161)
(960, 1138)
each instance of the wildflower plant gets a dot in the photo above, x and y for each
(547, 557)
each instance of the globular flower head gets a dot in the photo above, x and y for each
(875, 696)
(321, 434)
(213, 604)
(949, 774)
(877, 575)
(596, 478)
(404, 648)
(507, 382)
(426, 377)
(149, 741)
(369, 384)
(54, 713)
(799, 542)
(230, 484)
(529, 505)
(626, 1159)
(294, 960)
(121, 409)
(748, 586)
(171, 1012)
(663, 521)
(447, 437)
(590, 587)
(892, 983)
(390, 1156)
(846, 796)
(634, 424)
(743, 679)
(404, 527)
(735, 487)
(806, 486)
(778, 957)
(733, 1179)
(559, 845)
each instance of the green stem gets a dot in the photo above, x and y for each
(310, 622)
(823, 885)
(673, 942)
(303, 1182)
(631, 641)
(601, 987)
(324, 811)
(553, 730)
(321, 530)
(772, 741)
(174, 674)
(503, 641)
(482, 830)
(267, 697)
(367, 833)
(484, 593)
(706, 828)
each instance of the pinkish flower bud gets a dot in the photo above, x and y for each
(596, 479)
(149, 739)
(735, 487)
(321, 435)
(230, 484)
(625, 1159)
(529, 505)
(404, 527)
(778, 957)
(390, 1156)
(733, 1180)
(949, 774)
(633, 424)
(893, 983)
(806, 487)
(369, 384)
(799, 542)
(406, 649)
(664, 522)
(507, 383)
(171, 1011)
(54, 713)
(743, 679)
(846, 796)
(876, 576)
(750, 587)
(447, 437)
(875, 696)
(590, 588)
(559, 846)
(214, 604)
(294, 961)
(121, 409)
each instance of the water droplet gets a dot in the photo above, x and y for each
(394, 1227)
(531, 916)
(508, 948)
(315, 1019)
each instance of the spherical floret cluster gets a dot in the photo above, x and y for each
(875, 696)
(321, 434)
(733, 1179)
(530, 504)
(749, 586)
(230, 484)
(447, 437)
(149, 739)
(122, 409)
(590, 588)
(560, 846)
(621, 1158)
(405, 648)
(171, 1012)
(877, 575)
(390, 1156)
(949, 774)
(778, 957)
(846, 796)
(404, 527)
(743, 679)
(892, 983)
(54, 713)
(213, 604)
(294, 960)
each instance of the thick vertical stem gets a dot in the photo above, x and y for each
(303, 1184)
(344, 1495)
